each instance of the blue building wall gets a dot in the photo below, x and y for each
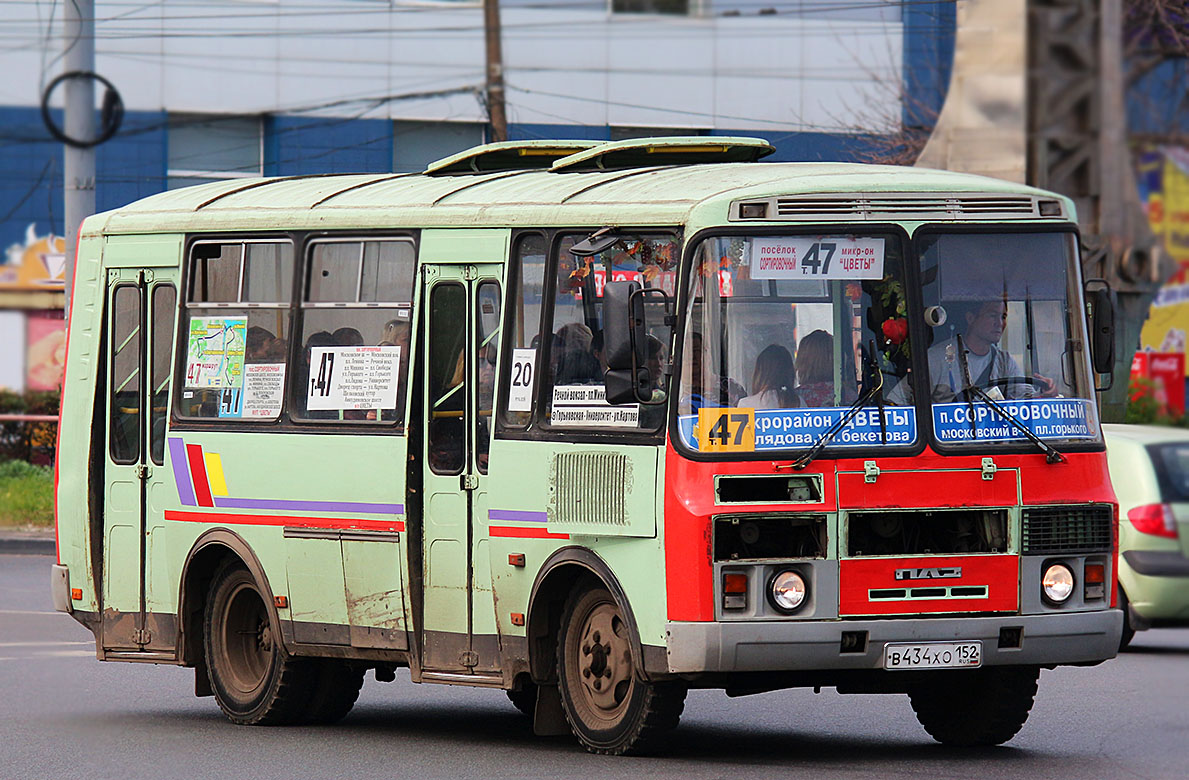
(298, 145)
(929, 30)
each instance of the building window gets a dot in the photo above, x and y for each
(416, 144)
(203, 149)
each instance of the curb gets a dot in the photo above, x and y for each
(27, 544)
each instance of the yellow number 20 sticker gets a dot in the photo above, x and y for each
(726, 430)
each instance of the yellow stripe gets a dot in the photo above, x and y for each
(214, 473)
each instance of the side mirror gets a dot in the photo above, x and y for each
(1100, 321)
(620, 389)
(625, 339)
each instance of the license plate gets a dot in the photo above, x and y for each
(932, 655)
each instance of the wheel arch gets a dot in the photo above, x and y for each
(556, 579)
(206, 555)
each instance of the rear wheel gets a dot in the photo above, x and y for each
(975, 708)
(524, 698)
(335, 687)
(253, 679)
(609, 709)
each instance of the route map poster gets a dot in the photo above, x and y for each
(215, 352)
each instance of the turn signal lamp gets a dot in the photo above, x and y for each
(1057, 583)
(1154, 519)
(734, 590)
(1095, 585)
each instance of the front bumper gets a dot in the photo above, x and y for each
(768, 646)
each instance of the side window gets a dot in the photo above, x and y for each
(125, 375)
(236, 328)
(164, 301)
(355, 331)
(573, 375)
(487, 339)
(447, 378)
(524, 337)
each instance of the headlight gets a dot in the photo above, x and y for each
(787, 590)
(1057, 584)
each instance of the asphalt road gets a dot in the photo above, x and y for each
(64, 714)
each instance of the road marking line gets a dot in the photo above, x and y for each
(29, 612)
(43, 644)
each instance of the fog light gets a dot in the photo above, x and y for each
(787, 590)
(1057, 584)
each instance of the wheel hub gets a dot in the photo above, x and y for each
(605, 660)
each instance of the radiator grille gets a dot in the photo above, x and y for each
(590, 487)
(1067, 529)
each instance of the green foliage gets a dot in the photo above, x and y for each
(31, 441)
(26, 494)
(1144, 409)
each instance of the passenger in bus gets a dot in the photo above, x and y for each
(987, 365)
(815, 371)
(706, 388)
(347, 337)
(574, 364)
(773, 383)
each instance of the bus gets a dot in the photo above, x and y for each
(592, 424)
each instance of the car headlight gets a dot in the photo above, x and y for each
(1057, 584)
(787, 591)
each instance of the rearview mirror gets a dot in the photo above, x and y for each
(625, 339)
(1100, 321)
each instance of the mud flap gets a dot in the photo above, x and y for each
(548, 719)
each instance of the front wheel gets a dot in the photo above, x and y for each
(980, 707)
(608, 707)
(1128, 626)
(253, 679)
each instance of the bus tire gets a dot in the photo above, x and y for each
(608, 707)
(335, 689)
(980, 707)
(253, 679)
(524, 698)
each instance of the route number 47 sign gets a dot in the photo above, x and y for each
(817, 257)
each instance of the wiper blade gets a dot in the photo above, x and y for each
(842, 422)
(1051, 454)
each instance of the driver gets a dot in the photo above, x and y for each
(988, 366)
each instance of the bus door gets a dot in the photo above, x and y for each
(141, 305)
(462, 334)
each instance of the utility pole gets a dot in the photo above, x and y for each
(78, 29)
(495, 71)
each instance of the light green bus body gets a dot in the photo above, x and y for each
(365, 551)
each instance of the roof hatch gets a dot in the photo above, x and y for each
(507, 156)
(675, 150)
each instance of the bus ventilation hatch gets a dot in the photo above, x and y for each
(589, 487)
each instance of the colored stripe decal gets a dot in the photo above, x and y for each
(524, 533)
(297, 522)
(292, 505)
(202, 490)
(214, 472)
(181, 474)
(517, 516)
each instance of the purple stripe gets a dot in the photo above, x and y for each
(181, 472)
(517, 516)
(308, 506)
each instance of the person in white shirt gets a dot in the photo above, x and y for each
(987, 366)
(773, 380)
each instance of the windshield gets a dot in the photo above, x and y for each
(784, 333)
(1001, 316)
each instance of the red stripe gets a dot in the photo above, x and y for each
(519, 532)
(202, 488)
(290, 520)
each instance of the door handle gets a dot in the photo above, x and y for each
(468, 482)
